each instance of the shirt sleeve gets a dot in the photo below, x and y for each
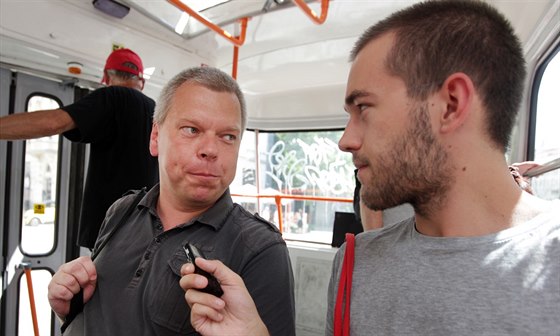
(94, 115)
(272, 269)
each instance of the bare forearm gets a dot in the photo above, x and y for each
(30, 125)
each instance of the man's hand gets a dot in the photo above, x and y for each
(234, 313)
(67, 281)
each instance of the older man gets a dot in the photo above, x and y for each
(133, 286)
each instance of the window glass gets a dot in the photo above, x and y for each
(296, 164)
(547, 141)
(246, 175)
(39, 187)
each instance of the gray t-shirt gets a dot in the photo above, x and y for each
(397, 214)
(406, 283)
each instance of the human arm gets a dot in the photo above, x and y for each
(30, 125)
(234, 313)
(524, 167)
(518, 170)
(67, 281)
(270, 281)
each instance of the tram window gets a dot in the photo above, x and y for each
(246, 174)
(42, 307)
(296, 163)
(547, 142)
(39, 189)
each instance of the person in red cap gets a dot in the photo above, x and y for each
(124, 64)
(116, 121)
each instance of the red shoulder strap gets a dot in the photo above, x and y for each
(342, 324)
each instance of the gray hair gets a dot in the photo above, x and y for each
(122, 75)
(211, 78)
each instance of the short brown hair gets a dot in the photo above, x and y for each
(435, 39)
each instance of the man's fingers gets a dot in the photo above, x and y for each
(187, 268)
(200, 312)
(193, 281)
(70, 285)
(73, 276)
(223, 274)
(195, 297)
(82, 269)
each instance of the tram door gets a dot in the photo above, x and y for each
(34, 197)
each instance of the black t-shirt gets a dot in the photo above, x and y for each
(117, 122)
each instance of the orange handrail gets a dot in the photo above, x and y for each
(278, 201)
(27, 271)
(235, 61)
(311, 14)
(238, 41)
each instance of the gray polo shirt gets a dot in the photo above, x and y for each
(138, 290)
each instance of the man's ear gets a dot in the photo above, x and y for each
(108, 78)
(154, 140)
(457, 92)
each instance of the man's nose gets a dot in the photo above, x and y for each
(349, 141)
(208, 148)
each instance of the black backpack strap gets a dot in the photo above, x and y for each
(77, 302)
(131, 208)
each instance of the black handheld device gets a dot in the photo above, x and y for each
(213, 286)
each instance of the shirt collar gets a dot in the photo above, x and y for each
(215, 216)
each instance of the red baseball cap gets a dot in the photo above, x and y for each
(118, 61)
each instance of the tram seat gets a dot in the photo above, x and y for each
(344, 222)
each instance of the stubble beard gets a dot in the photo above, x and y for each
(414, 170)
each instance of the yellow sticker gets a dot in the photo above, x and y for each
(117, 46)
(39, 208)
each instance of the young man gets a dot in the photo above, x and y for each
(432, 95)
(116, 121)
(133, 287)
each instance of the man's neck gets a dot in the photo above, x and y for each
(482, 205)
(173, 212)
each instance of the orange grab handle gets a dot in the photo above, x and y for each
(238, 41)
(311, 14)
(235, 62)
(278, 201)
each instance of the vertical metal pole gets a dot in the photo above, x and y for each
(27, 270)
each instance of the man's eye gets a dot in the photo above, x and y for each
(230, 137)
(189, 130)
(361, 107)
